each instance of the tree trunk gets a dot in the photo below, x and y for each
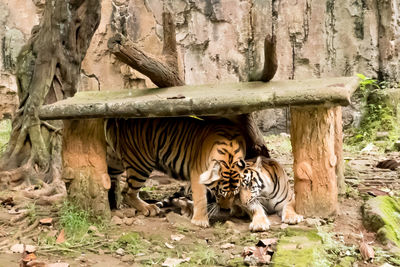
(313, 143)
(339, 150)
(84, 164)
(48, 68)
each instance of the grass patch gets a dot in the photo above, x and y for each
(5, 130)
(379, 116)
(279, 143)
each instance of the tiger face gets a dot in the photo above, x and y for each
(251, 186)
(224, 181)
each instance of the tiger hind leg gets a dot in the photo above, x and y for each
(132, 198)
(289, 214)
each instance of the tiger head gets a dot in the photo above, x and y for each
(251, 183)
(223, 179)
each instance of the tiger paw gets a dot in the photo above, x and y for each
(149, 210)
(201, 222)
(291, 217)
(259, 224)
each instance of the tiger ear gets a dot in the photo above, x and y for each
(258, 164)
(211, 175)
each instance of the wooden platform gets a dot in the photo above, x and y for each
(203, 100)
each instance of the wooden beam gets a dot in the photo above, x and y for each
(203, 100)
(313, 144)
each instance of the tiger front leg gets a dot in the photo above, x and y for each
(289, 214)
(199, 194)
(260, 220)
(132, 197)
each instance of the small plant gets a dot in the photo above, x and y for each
(31, 212)
(203, 255)
(378, 116)
(131, 242)
(76, 221)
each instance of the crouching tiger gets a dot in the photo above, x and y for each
(207, 153)
(265, 188)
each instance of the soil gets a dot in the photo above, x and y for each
(203, 246)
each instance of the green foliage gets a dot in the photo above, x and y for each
(378, 116)
(5, 130)
(32, 213)
(77, 221)
(203, 255)
(131, 242)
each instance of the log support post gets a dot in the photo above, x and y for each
(315, 161)
(84, 165)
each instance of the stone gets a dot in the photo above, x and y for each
(128, 221)
(120, 252)
(180, 221)
(131, 212)
(58, 264)
(379, 215)
(118, 213)
(17, 248)
(313, 222)
(128, 258)
(227, 246)
(116, 220)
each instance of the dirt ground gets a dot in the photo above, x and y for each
(135, 240)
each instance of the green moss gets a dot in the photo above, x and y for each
(300, 248)
(346, 262)
(382, 214)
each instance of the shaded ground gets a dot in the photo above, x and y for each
(134, 240)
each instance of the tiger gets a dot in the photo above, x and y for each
(265, 189)
(210, 154)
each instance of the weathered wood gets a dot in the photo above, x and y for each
(339, 150)
(202, 100)
(313, 145)
(84, 164)
(160, 74)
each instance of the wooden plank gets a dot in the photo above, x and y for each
(203, 100)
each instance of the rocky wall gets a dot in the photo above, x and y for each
(222, 41)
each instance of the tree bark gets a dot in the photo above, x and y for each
(48, 68)
(84, 164)
(339, 150)
(313, 143)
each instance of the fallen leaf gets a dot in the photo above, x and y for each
(168, 245)
(177, 237)
(36, 264)
(29, 257)
(8, 201)
(120, 252)
(61, 237)
(266, 242)
(46, 221)
(172, 262)
(367, 252)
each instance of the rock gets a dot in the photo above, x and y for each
(172, 262)
(128, 221)
(230, 224)
(313, 222)
(120, 252)
(118, 213)
(128, 258)
(58, 264)
(227, 246)
(379, 215)
(46, 221)
(116, 220)
(131, 212)
(177, 237)
(17, 248)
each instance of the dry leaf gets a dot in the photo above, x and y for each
(61, 237)
(367, 252)
(29, 257)
(46, 221)
(168, 245)
(266, 242)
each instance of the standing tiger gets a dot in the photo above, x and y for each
(266, 189)
(207, 153)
